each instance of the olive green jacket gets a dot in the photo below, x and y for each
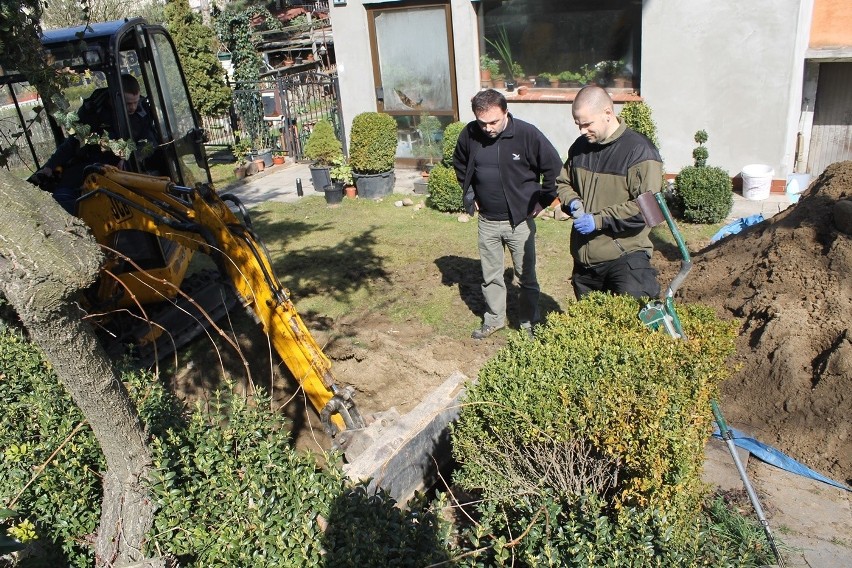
(607, 177)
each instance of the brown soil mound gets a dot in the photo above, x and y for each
(787, 279)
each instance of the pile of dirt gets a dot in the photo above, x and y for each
(788, 280)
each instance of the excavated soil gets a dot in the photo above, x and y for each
(788, 281)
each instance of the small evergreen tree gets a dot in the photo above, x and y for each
(703, 193)
(195, 44)
(322, 146)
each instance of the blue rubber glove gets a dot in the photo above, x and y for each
(575, 206)
(585, 224)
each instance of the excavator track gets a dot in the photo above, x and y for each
(204, 300)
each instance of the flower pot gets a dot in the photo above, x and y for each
(266, 156)
(260, 164)
(320, 177)
(334, 193)
(523, 90)
(251, 168)
(351, 191)
(277, 160)
(240, 172)
(373, 186)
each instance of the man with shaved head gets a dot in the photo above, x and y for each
(608, 166)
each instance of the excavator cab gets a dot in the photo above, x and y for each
(95, 57)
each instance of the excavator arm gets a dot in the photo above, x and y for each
(159, 225)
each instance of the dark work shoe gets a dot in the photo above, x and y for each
(485, 331)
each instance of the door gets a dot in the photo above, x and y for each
(178, 124)
(415, 82)
(831, 135)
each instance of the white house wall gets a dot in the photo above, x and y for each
(732, 68)
(355, 64)
(729, 67)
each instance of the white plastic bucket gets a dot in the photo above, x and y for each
(757, 181)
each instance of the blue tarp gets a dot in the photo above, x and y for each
(774, 457)
(735, 227)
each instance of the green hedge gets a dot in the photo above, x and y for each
(598, 405)
(451, 139)
(704, 193)
(445, 193)
(38, 415)
(230, 489)
(372, 143)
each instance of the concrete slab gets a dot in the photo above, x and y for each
(769, 207)
(406, 455)
(813, 520)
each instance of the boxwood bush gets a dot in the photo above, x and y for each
(445, 193)
(230, 489)
(637, 116)
(704, 194)
(451, 139)
(322, 146)
(599, 423)
(372, 143)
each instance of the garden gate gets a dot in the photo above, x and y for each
(297, 102)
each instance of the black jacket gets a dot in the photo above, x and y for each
(528, 166)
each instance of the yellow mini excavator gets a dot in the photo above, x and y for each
(151, 215)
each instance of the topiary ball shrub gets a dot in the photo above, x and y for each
(599, 419)
(445, 193)
(704, 193)
(322, 146)
(451, 139)
(372, 143)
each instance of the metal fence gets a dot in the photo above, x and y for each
(292, 103)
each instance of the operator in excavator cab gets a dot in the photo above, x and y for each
(65, 168)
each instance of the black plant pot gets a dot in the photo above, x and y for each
(374, 186)
(334, 193)
(320, 177)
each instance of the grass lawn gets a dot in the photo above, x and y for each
(406, 263)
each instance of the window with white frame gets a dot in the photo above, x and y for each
(564, 42)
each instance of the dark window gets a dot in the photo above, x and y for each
(580, 41)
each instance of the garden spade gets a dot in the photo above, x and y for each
(661, 314)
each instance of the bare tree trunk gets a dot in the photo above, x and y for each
(46, 258)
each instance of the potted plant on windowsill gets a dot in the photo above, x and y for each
(570, 79)
(372, 150)
(488, 68)
(322, 148)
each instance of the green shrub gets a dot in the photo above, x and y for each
(372, 143)
(637, 116)
(38, 415)
(230, 489)
(598, 405)
(451, 139)
(322, 146)
(445, 193)
(704, 194)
